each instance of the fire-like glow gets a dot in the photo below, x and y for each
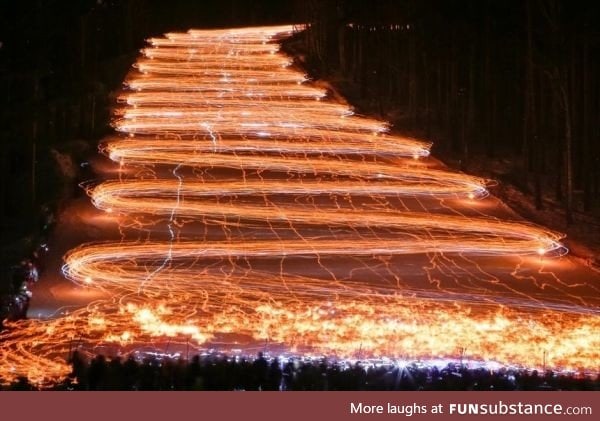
(254, 208)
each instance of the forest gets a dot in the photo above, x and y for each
(488, 81)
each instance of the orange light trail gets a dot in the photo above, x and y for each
(126, 195)
(252, 209)
(243, 123)
(169, 151)
(210, 88)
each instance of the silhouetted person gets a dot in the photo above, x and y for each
(274, 375)
(97, 373)
(260, 367)
(79, 370)
(130, 374)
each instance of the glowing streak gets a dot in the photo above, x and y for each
(318, 185)
(431, 183)
(149, 151)
(209, 88)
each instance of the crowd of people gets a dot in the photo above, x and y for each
(220, 372)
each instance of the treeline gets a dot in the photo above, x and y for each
(58, 65)
(507, 79)
(220, 372)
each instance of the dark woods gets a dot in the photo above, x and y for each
(510, 81)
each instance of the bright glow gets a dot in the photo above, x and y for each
(250, 209)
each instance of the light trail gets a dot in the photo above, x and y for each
(97, 261)
(224, 89)
(191, 103)
(227, 76)
(139, 122)
(171, 49)
(229, 59)
(440, 233)
(229, 64)
(151, 152)
(294, 164)
(253, 209)
(126, 195)
(242, 123)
